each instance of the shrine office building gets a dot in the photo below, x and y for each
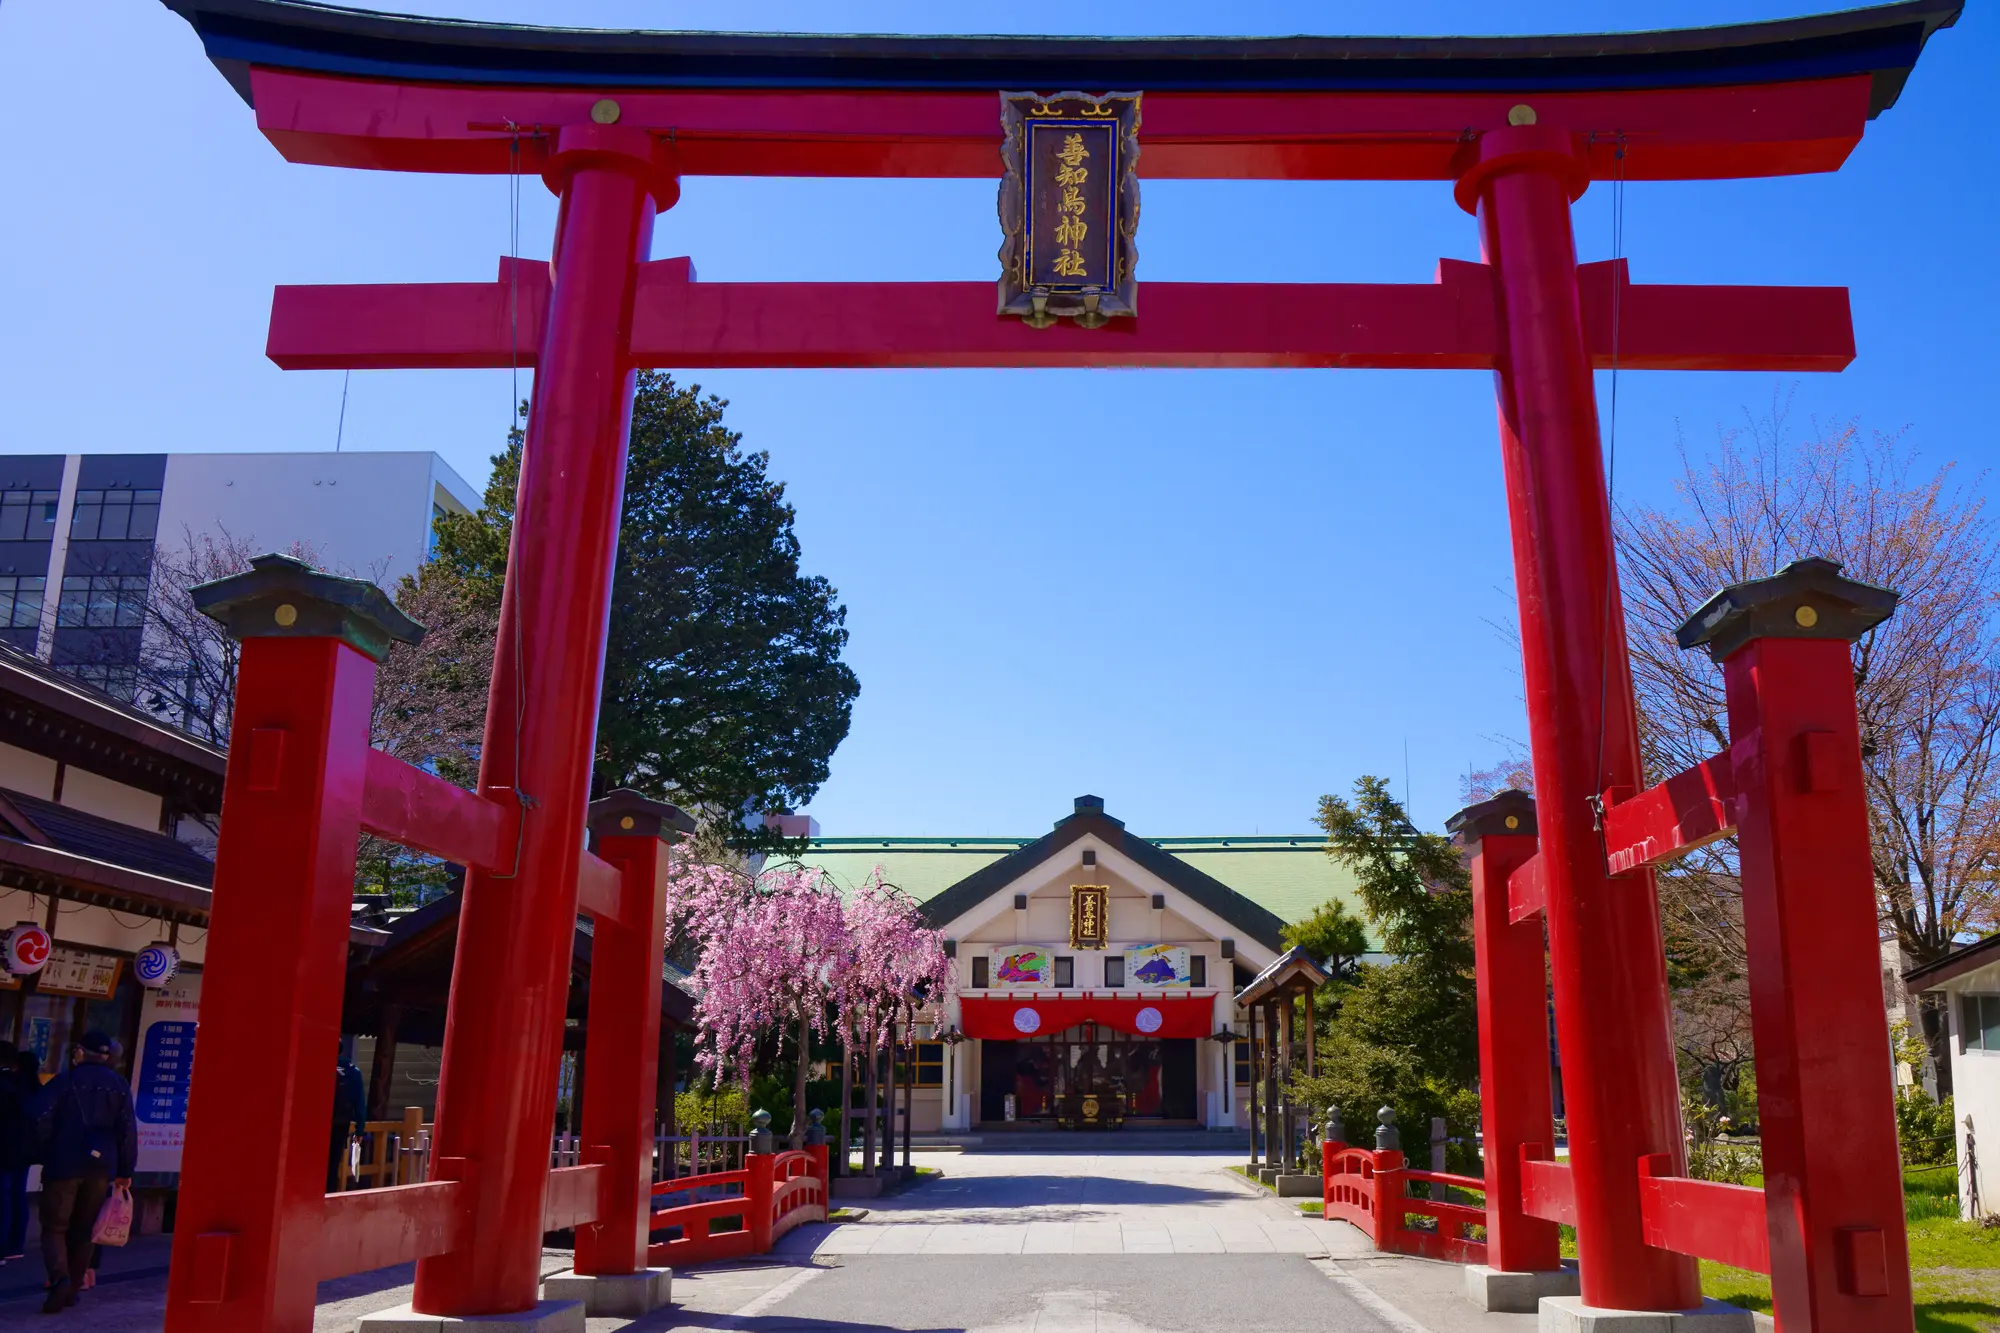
(1097, 969)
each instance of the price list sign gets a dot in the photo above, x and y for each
(164, 1071)
(164, 1064)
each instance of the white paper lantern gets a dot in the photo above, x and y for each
(155, 965)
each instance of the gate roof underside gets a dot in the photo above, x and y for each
(1882, 42)
(1751, 99)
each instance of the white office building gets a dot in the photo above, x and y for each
(78, 534)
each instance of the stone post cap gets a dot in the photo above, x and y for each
(1807, 599)
(626, 814)
(280, 597)
(1510, 814)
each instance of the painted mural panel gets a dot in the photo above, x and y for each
(1023, 967)
(1153, 966)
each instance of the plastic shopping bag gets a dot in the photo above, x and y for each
(114, 1219)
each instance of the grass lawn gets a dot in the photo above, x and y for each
(1954, 1265)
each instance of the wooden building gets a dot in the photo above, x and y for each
(1098, 970)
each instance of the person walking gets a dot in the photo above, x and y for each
(350, 1108)
(85, 1117)
(20, 1084)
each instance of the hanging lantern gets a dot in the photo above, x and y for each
(25, 949)
(156, 964)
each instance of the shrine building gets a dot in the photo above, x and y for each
(1097, 969)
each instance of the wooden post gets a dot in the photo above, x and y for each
(1833, 1191)
(253, 1174)
(1515, 1083)
(1312, 1037)
(1273, 1138)
(1291, 1149)
(613, 1110)
(757, 1180)
(406, 1147)
(382, 1065)
(909, 1096)
(1256, 1074)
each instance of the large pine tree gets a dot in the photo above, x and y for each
(723, 680)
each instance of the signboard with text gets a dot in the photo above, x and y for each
(165, 1070)
(85, 972)
(1069, 206)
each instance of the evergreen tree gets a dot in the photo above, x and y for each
(1403, 1033)
(723, 684)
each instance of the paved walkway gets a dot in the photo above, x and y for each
(1003, 1243)
(1012, 1203)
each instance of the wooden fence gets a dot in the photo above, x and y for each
(382, 1153)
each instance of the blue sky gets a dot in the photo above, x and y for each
(1227, 593)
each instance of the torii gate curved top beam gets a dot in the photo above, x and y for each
(342, 87)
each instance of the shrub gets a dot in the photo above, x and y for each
(1923, 1128)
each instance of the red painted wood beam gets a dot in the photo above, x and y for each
(368, 1229)
(600, 891)
(1690, 809)
(1547, 1189)
(1447, 324)
(1527, 890)
(1669, 134)
(425, 813)
(573, 1195)
(1705, 1218)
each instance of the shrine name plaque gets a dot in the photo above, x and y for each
(1069, 207)
(1089, 916)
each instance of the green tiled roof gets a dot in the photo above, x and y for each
(1287, 876)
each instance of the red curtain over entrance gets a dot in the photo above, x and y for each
(1008, 1018)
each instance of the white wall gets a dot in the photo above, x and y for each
(1975, 1078)
(364, 513)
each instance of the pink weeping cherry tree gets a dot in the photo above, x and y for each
(895, 968)
(777, 954)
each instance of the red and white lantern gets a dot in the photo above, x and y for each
(25, 949)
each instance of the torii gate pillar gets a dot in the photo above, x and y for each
(503, 1036)
(1606, 953)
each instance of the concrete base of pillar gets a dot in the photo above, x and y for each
(1517, 1293)
(612, 1295)
(545, 1317)
(1568, 1314)
(1300, 1187)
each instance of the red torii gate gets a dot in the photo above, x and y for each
(611, 121)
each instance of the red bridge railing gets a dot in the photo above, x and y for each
(773, 1193)
(1369, 1188)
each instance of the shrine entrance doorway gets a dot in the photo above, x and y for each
(1089, 1076)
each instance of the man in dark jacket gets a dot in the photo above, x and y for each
(85, 1117)
(18, 1090)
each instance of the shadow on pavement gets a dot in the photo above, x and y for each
(970, 1193)
(366, 1284)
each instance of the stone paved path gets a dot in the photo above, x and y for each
(1010, 1203)
(1003, 1243)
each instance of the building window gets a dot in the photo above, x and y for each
(115, 516)
(21, 601)
(1979, 1023)
(930, 1063)
(979, 973)
(120, 682)
(1114, 972)
(28, 515)
(1197, 969)
(1065, 973)
(102, 601)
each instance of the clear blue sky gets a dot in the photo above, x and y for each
(1238, 591)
